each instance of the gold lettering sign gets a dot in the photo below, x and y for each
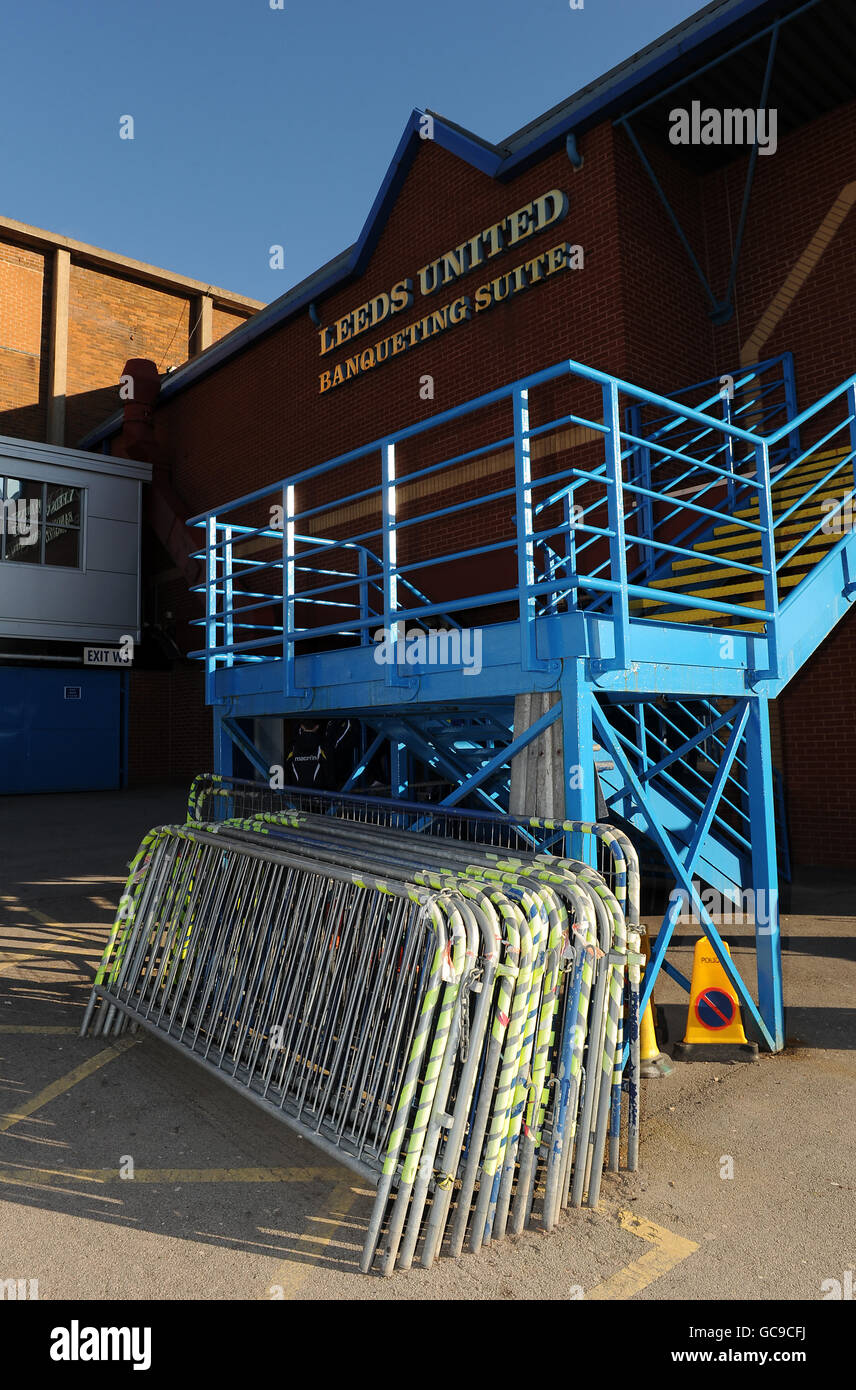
(473, 254)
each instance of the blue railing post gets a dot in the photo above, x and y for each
(768, 551)
(289, 592)
(645, 503)
(729, 452)
(228, 597)
(765, 878)
(791, 401)
(615, 512)
(393, 636)
(570, 518)
(365, 637)
(210, 606)
(525, 544)
(851, 411)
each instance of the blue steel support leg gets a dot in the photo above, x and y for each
(682, 862)
(578, 752)
(224, 748)
(765, 879)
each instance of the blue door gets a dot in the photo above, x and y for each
(60, 730)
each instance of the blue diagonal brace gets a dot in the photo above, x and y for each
(433, 756)
(364, 761)
(247, 747)
(683, 870)
(750, 173)
(504, 756)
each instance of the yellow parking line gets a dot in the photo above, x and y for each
(669, 1250)
(36, 1028)
(13, 964)
(65, 1083)
(99, 1176)
(292, 1275)
(59, 948)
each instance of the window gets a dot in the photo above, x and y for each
(40, 523)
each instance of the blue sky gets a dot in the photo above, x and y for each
(255, 126)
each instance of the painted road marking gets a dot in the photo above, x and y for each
(669, 1250)
(47, 1177)
(37, 1028)
(13, 964)
(65, 1083)
(292, 1275)
(59, 948)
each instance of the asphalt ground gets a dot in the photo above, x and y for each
(226, 1203)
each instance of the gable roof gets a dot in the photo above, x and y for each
(666, 59)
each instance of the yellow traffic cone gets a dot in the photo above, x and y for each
(714, 1027)
(652, 1062)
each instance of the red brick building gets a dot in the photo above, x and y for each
(71, 316)
(258, 407)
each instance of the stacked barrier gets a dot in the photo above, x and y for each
(443, 1015)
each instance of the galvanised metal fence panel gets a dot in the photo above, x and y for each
(215, 797)
(610, 977)
(390, 1016)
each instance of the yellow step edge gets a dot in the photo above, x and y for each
(783, 504)
(725, 592)
(703, 617)
(736, 548)
(683, 570)
(811, 512)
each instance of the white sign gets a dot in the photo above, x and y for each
(105, 656)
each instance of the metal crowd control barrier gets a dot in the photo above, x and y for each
(214, 797)
(442, 1015)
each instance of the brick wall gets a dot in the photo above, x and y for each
(636, 310)
(24, 326)
(169, 728)
(110, 320)
(113, 316)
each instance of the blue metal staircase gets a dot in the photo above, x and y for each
(662, 566)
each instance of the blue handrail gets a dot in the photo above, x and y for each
(606, 552)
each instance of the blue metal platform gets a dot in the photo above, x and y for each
(662, 566)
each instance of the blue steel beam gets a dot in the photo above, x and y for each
(578, 757)
(350, 679)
